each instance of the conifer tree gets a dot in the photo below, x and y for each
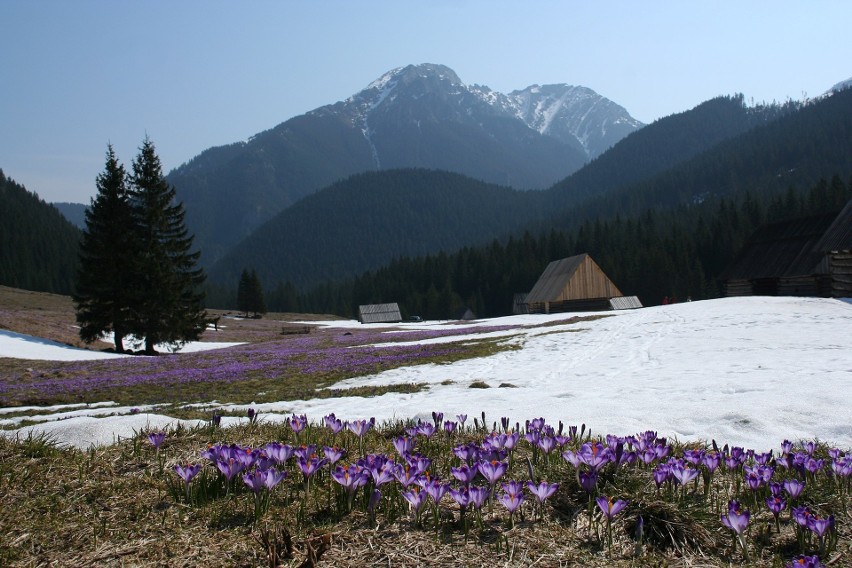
(168, 303)
(102, 295)
(256, 302)
(250, 294)
(243, 302)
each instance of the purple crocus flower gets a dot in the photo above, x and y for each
(360, 427)
(814, 465)
(693, 456)
(436, 489)
(464, 473)
(492, 470)
(571, 457)
(513, 487)
(803, 561)
(466, 452)
(298, 423)
(533, 437)
(333, 423)
(478, 495)
(842, 467)
(461, 496)
(248, 456)
(801, 515)
(450, 427)
(495, 441)
(510, 501)
(350, 478)
(252, 415)
(380, 468)
(230, 467)
(404, 445)
(609, 507)
(820, 525)
(273, 477)
(406, 475)
(187, 472)
(375, 497)
(156, 439)
(682, 473)
(462, 418)
(511, 441)
(647, 456)
(735, 519)
(711, 461)
(278, 452)
(426, 429)
(542, 490)
(256, 480)
(437, 418)
(311, 465)
(418, 462)
(794, 487)
(594, 455)
(662, 473)
(305, 452)
(776, 505)
(415, 497)
(588, 480)
(547, 444)
(333, 454)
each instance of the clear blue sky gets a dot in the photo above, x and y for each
(194, 74)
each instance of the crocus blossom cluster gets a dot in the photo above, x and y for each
(478, 470)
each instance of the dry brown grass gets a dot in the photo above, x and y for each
(116, 506)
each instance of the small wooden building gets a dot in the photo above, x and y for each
(465, 314)
(809, 256)
(379, 313)
(576, 283)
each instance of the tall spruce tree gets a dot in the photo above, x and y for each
(250, 294)
(256, 303)
(243, 292)
(167, 303)
(103, 288)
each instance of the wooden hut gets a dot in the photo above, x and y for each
(379, 313)
(576, 283)
(809, 256)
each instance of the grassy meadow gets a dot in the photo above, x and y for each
(316, 491)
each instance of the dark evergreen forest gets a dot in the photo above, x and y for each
(38, 246)
(676, 253)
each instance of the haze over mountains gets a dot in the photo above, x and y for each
(419, 116)
(243, 205)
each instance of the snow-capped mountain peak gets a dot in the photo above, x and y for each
(576, 115)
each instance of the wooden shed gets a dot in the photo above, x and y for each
(379, 313)
(808, 256)
(576, 283)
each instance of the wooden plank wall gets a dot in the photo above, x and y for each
(588, 282)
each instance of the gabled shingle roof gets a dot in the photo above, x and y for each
(792, 248)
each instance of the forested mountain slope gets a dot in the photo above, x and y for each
(369, 219)
(38, 246)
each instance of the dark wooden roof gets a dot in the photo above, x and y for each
(574, 278)
(839, 235)
(379, 313)
(552, 281)
(792, 248)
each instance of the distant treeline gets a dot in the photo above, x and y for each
(677, 253)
